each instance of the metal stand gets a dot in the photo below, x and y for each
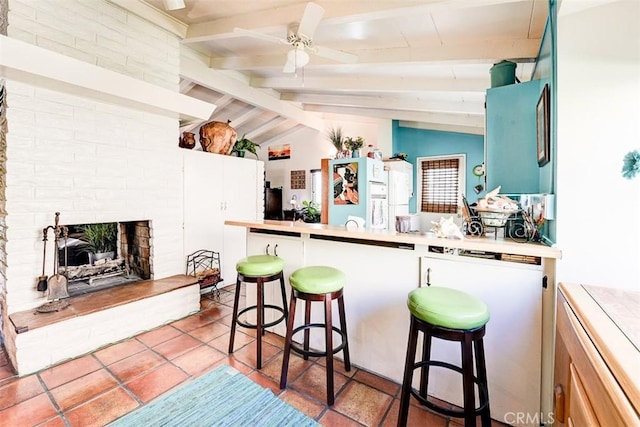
(205, 266)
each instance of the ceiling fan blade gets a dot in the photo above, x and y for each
(310, 19)
(260, 36)
(289, 67)
(336, 55)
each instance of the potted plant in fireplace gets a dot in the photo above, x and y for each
(99, 241)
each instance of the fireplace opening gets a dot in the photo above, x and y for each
(104, 255)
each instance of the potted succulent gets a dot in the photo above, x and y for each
(242, 145)
(354, 144)
(99, 240)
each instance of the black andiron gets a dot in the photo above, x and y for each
(56, 285)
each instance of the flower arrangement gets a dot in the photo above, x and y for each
(336, 137)
(354, 143)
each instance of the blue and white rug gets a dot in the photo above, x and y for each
(223, 397)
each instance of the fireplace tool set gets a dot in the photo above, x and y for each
(56, 285)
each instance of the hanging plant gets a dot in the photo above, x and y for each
(631, 164)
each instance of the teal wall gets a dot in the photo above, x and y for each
(420, 143)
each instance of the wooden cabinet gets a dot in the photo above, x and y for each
(597, 364)
(510, 144)
(217, 188)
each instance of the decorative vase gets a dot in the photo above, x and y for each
(355, 154)
(188, 140)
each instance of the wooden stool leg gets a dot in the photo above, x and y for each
(287, 343)
(236, 302)
(284, 296)
(259, 321)
(405, 395)
(468, 386)
(424, 371)
(307, 320)
(481, 370)
(343, 328)
(328, 327)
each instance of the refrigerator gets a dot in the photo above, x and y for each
(400, 190)
(358, 188)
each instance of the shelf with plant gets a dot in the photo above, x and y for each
(242, 145)
(354, 144)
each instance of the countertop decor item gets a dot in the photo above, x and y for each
(337, 138)
(218, 137)
(631, 164)
(242, 145)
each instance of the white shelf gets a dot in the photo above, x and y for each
(34, 65)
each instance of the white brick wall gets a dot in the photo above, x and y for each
(90, 161)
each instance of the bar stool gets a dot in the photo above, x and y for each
(258, 269)
(451, 315)
(324, 284)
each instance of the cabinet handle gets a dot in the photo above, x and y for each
(275, 250)
(267, 250)
(429, 276)
(558, 403)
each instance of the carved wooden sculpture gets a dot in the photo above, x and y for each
(217, 137)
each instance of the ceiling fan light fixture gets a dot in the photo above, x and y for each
(173, 4)
(298, 57)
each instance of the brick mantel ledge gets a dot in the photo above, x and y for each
(81, 305)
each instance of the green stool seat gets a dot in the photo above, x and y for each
(260, 265)
(448, 308)
(317, 280)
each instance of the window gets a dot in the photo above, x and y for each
(316, 186)
(441, 183)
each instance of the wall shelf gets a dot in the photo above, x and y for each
(40, 67)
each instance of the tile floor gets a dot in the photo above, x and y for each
(99, 387)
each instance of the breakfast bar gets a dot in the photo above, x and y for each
(516, 280)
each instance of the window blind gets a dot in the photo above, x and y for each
(440, 186)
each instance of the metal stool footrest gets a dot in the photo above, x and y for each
(298, 349)
(482, 391)
(265, 325)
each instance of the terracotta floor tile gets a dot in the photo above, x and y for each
(28, 412)
(102, 410)
(234, 363)
(198, 360)
(138, 364)
(157, 336)
(302, 403)
(266, 382)
(119, 351)
(273, 367)
(274, 339)
(19, 390)
(192, 322)
(377, 382)
(5, 372)
(338, 366)
(418, 416)
(363, 403)
(222, 342)
(209, 332)
(154, 383)
(68, 371)
(334, 419)
(177, 346)
(82, 389)
(313, 382)
(53, 422)
(248, 353)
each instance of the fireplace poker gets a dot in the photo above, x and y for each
(42, 280)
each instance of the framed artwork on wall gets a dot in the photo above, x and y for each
(542, 127)
(280, 152)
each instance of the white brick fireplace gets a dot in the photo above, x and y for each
(92, 161)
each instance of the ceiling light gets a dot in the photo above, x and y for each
(173, 4)
(298, 57)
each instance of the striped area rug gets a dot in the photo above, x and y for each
(223, 397)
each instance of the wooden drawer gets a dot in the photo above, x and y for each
(591, 380)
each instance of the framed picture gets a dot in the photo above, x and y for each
(280, 152)
(542, 127)
(345, 184)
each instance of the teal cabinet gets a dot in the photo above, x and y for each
(510, 144)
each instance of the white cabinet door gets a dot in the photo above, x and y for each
(203, 202)
(513, 343)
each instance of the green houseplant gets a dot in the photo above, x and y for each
(99, 240)
(242, 145)
(354, 144)
(310, 211)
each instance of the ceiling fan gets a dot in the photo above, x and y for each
(300, 38)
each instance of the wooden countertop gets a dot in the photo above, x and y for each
(610, 317)
(488, 244)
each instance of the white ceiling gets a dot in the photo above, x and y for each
(425, 63)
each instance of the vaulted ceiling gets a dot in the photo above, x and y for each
(425, 63)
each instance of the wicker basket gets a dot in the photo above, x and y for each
(494, 218)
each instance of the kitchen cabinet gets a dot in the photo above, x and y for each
(217, 188)
(510, 141)
(513, 348)
(596, 361)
